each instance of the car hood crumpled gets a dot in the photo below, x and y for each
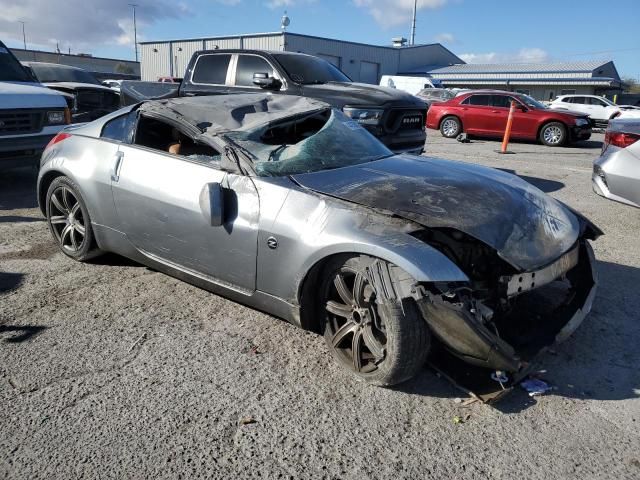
(526, 227)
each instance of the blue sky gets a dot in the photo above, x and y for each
(483, 31)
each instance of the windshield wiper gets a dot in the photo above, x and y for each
(315, 82)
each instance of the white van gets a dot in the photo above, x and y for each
(410, 85)
(30, 114)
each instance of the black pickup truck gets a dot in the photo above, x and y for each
(395, 117)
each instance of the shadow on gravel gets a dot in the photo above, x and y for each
(18, 334)
(586, 144)
(19, 219)
(18, 189)
(114, 260)
(10, 281)
(543, 184)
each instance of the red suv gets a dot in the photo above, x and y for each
(485, 112)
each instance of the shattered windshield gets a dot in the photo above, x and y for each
(319, 141)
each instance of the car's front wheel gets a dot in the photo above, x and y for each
(69, 221)
(553, 134)
(382, 342)
(450, 127)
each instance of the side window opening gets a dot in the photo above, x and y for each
(120, 128)
(158, 135)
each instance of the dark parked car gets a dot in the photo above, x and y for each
(87, 98)
(485, 112)
(395, 117)
(435, 95)
(286, 204)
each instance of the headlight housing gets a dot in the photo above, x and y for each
(581, 122)
(364, 116)
(58, 117)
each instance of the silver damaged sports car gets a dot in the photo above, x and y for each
(287, 205)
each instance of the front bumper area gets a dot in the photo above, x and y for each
(509, 342)
(580, 133)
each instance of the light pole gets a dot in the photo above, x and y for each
(413, 23)
(24, 36)
(135, 30)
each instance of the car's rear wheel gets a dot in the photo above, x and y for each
(450, 127)
(383, 343)
(69, 221)
(553, 134)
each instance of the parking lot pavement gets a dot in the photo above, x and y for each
(111, 370)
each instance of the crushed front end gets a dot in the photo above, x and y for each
(491, 329)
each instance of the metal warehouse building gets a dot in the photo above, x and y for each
(543, 81)
(367, 63)
(362, 62)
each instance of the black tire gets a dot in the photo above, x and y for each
(553, 134)
(450, 126)
(69, 221)
(393, 339)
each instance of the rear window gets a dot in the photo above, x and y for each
(481, 100)
(211, 69)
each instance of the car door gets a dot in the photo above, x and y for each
(580, 105)
(524, 124)
(598, 108)
(211, 75)
(476, 114)
(157, 197)
(244, 66)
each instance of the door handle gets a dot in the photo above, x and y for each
(117, 164)
(495, 111)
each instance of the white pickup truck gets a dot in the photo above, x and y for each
(30, 114)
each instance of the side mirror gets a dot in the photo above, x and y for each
(263, 80)
(521, 107)
(212, 204)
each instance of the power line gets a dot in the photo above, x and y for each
(600, 52)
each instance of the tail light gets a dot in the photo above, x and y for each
(57, 139)
(620, 139)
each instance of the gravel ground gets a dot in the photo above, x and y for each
(111, 370)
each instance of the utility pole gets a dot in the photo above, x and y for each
(413, 23)
(24, 36)
(135, 30)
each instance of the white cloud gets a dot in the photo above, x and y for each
(445, 38)
(524, 55)
(287, 3)
(390, 13)
(81, 24)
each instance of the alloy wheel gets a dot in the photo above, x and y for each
(356, 330)
(450, 127)
(67, 219)
(552, 135)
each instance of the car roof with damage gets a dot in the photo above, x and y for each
(217, 114)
